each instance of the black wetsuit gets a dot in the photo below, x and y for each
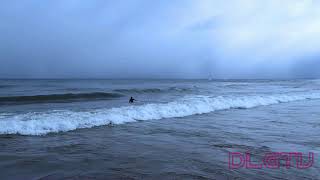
(131, 100)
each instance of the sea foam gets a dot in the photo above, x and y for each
(41, 123)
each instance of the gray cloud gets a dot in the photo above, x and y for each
(148, 39)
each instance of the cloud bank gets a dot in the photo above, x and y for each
(163, 39)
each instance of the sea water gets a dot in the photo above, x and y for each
(177, 129)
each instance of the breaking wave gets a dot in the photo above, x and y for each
(56, 97)
(61, 121)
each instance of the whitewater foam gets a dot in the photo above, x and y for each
(42, 123)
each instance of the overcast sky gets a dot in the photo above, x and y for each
(159, 39)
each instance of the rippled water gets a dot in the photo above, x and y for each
(178, 130)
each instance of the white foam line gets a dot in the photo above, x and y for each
(61, 121)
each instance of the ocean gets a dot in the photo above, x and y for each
(177, 129)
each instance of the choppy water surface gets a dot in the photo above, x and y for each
(178, 129)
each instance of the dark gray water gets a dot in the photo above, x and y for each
(60, 129)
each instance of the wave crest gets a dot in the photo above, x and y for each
(151, 90)
(56, 97)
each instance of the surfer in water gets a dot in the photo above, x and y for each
(131, 100)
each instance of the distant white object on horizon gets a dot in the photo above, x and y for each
(210, 78)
